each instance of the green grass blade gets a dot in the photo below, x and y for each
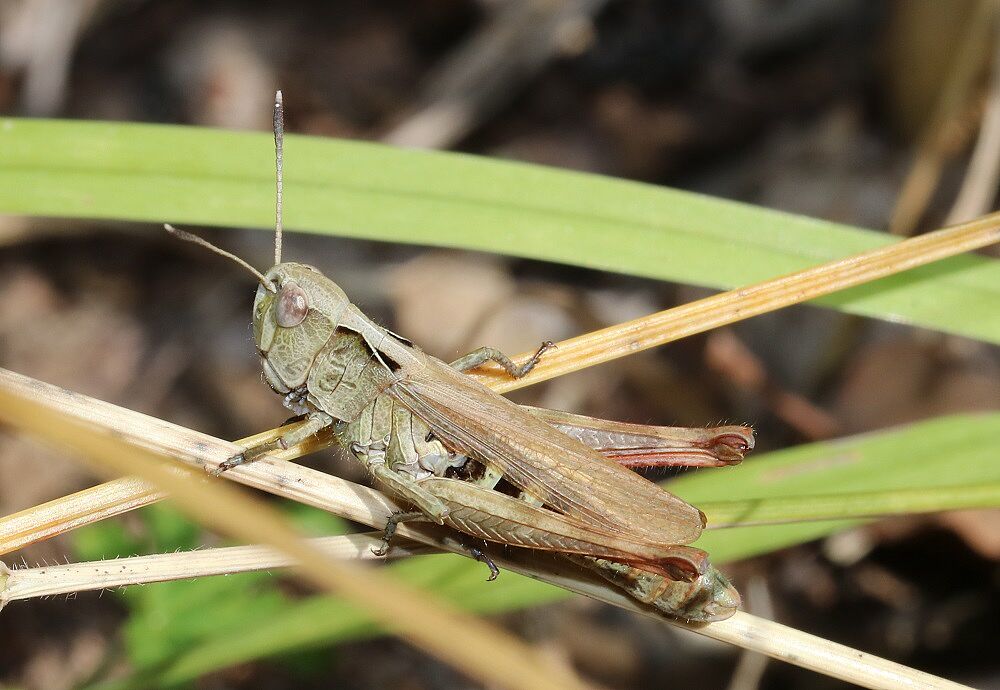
(773, 511)
(944, 454)
(201, 176)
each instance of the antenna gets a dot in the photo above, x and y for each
(279, 138)
(189, 237)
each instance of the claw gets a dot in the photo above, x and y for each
(484, 557)
(228, 464)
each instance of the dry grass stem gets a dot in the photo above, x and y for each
(51, 580)
(66, 513)
(728, 307)
(197, 450)
(979, 188)
(115, 497)
(743, 630)
(948, 129)
(486, 653)
(371, 507)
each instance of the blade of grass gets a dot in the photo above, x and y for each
(200, 176)
(485, 653)
(752, 512)
(319, 620)
(942, 455)
(305, 624)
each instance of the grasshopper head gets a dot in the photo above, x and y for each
(295, 311)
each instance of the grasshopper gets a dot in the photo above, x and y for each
(466, 457)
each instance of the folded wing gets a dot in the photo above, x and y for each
(565, 474)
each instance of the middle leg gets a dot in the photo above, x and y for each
(491, 354)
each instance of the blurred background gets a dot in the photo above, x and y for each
(867, 113)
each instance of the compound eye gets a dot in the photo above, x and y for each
(291, 306)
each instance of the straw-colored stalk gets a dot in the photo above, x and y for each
(366, 505)
(743, 303)
(70, 578)
(753, 633)
(487, 653)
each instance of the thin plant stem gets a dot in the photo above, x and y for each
(371, 507)
(89, 576)
(743, 303)
(744, 630)
(487, 653)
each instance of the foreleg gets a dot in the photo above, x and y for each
(314, 423)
